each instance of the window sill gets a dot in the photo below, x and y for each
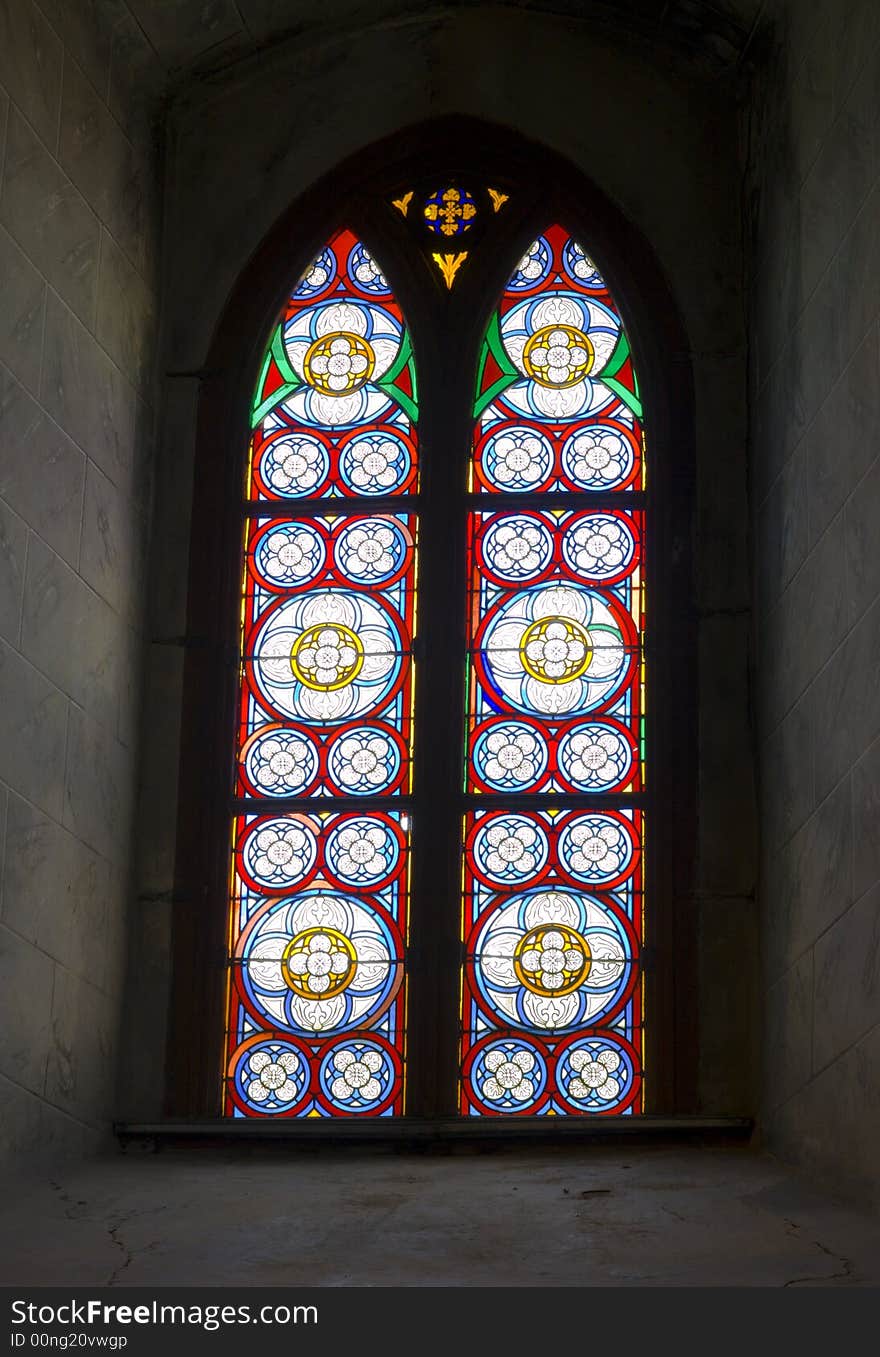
(407, 1133)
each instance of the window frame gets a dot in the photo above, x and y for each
(550, 189)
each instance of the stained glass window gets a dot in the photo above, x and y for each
(323, 830)
(319, 822)
(553, 841)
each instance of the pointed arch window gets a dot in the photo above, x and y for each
(439, 899)
(553, 895)
(320, 860)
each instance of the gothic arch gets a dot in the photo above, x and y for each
(357, 194)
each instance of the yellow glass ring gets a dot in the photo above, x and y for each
(552, 960)
(556, 650)
(327, 656)
(319, 963)
(558, 356)
(339, 363)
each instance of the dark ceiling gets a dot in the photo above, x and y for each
(183, 36)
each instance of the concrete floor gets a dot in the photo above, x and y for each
(569, 1217)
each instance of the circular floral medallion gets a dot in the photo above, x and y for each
(376, 463)
(317, 276)
(364, 760)
(278, 854)
(287, 555)
(339, 351)
(268, 1075)
(533, 268)
(515, 458)
(556, 648)
(558, 355)
(365, 272)
(360, 1075)
(338, 363)
(291, 466)
(319, 963)
(600, 546)
(279, 762)
(374, 550)
(363, 850)
(325, 657)
(509, 848)
(598, 849)
(580, 267)
(552, 960)
(449, 211)
(596, 756)
(516, 547)
(509, 755)
(560, 343)
(601, 456)
(506, 1074)
(597, 1072)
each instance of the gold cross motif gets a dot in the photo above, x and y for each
(451, 212)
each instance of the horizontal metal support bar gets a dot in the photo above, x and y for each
(342, 506)
(583, 501)
(529, 802)
(525, 802)
(313, 804)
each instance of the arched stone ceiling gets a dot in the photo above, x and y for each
(175, 38)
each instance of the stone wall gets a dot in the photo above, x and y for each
(815, 474)
(78, 304)
(662, 143)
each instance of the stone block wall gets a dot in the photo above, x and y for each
(78, 289)
(78, 272)
(814, 194)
